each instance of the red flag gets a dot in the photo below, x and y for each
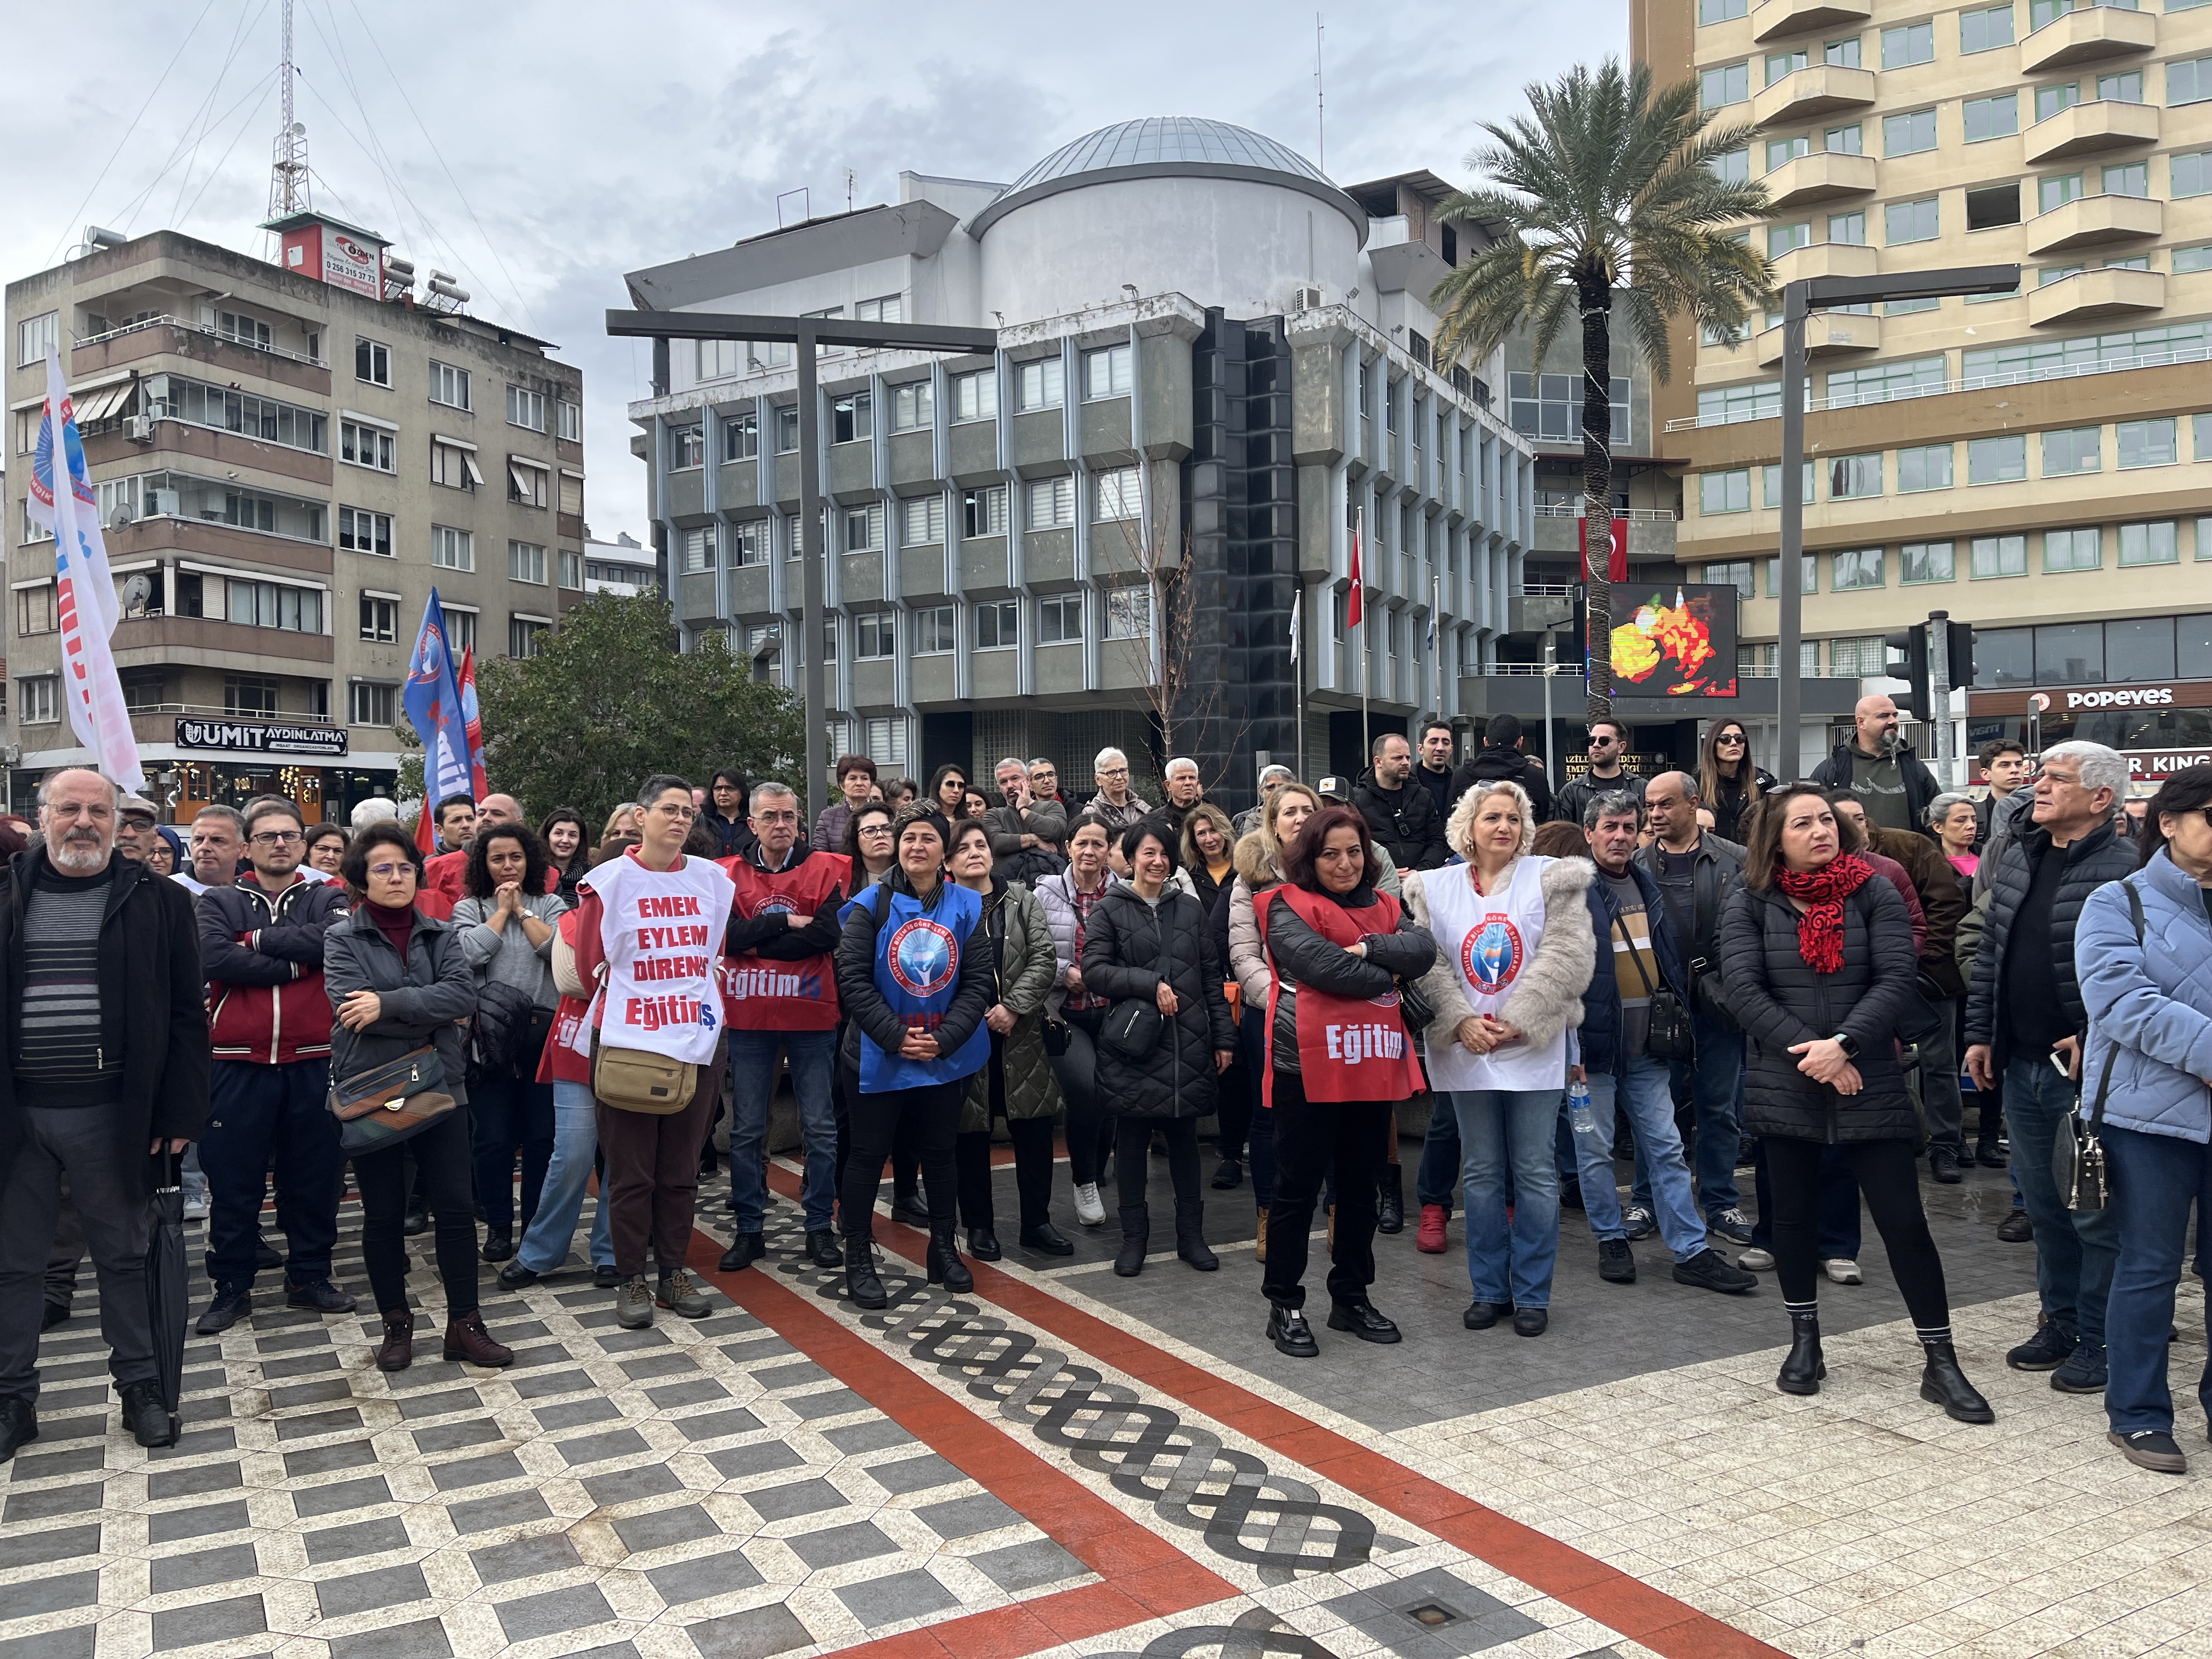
(1357, 606)
(474, 722)
(1617, 563)
(426, 831)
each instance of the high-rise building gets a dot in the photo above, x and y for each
(1213, 364)
(2037, 464)
(288, 456)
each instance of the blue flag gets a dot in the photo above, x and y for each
(432, 697)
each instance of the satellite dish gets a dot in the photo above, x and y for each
(122, 517)
(298, 129)
(136, 592)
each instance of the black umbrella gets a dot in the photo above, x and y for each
(165, 1281)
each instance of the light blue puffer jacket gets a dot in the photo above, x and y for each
(2154, 999)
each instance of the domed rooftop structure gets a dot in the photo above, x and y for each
(1167, 145)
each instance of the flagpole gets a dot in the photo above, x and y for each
(1298, 674)
(1437, 637)
(1366, 656)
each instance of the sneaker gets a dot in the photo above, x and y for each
(1090, 1208)
(1709, 1270)
(146, 1416)
(2147, 1449)
(634, 1303)
(1639, 1222)
(678, 1292)
(2050, 1347)
(265, 1259)
(1733, 1225)
(230, 1305)
(1616, 1264)
(1990, 1155)
(2016, 1228)
(2083, 1371)
(1756, 1261)
(1229, 1173)
(1429, 1236)
(1943, 1165)
(1842, 1270)
(196, 1206)
(318, 1294)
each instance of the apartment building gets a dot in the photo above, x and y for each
(2038, 463)
(1208, 355)
(288, 456)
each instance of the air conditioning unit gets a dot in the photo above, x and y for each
(140, 428)
(1304, 300)
(164, 504)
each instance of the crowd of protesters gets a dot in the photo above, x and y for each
(1724, 968)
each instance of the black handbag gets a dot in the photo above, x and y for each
(1413, 1008)
(510, 1029)
(1054, 1032)
(1132, 1029)
(1672, 1036)
(392, 1103)
(2077, 1154)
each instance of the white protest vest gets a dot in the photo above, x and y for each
(662, 931)
(1489, 942)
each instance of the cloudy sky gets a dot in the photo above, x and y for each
(539, 151)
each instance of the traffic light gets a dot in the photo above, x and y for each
(1961, 655)
(1907, 659)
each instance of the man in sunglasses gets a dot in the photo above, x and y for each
(261, 945)
(1608, 750)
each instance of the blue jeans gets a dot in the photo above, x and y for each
(1715, 1081)
(2073, 1253)
(1498, 1128)
(257, 1113)
(1643, 1093)
(2155, 1180)
(752, 1084)
(505, 1111)
(561, 1200)
(1441, 1156)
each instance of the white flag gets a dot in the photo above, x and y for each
(62, 498)
(1297, 599)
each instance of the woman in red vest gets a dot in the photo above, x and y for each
(1339, 1061)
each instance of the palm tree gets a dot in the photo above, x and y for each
(1605, 194)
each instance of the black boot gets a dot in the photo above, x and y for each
(1190, 1234)
(907, 1206)
(945, 1267)
(1802, 1371)
(862, 1286)
(1136, 1237)
(1390, 1215)
(1944, 1384)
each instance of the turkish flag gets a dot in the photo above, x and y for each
(1617, 564)
(1357, 606)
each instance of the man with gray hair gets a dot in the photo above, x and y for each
(1026, 833)
(217, 844)
(1185, 791)
(2025, 1020)
(1272, 778)
(1116, 804)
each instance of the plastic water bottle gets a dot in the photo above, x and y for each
(1578, 1109)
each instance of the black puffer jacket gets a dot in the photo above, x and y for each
(1302, 957)
(1404, 822)
(1129, 947)
(1510, 766)
(1781, 1002)
(427, 999)
(2095, 859)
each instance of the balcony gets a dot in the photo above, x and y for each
(2095, 294)
(1827, 334)
(2091, 34)
(2085, 128)
(1826, 259)
(1773, 19)
(1816, 89)
(2095, 221)
(1820, 177)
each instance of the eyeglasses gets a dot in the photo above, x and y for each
(1112, 772)
(390, 871)
(777, 817)
(1601, 743)
(278, 838)
(670, 810)
(1729, 740)
(875, 829)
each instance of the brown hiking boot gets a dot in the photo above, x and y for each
(467, 1340)
(397, 1352)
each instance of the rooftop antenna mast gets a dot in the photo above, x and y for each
(287, 173)
(1320, 108)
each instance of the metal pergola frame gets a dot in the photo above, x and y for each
(805, 335)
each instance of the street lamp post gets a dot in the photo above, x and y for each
(806, 334)
(1799, 299)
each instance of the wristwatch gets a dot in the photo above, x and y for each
(1848, 1044)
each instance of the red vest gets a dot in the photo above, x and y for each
(760, 993)
(559, 1062)
(1348, 1048)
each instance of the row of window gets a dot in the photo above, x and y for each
(1980, 29)
(994, 625)
(2130, 651)
(449, 384)
(2153, 541)
(453, 465)
(718, 359)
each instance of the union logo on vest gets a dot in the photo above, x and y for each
(1491, 955)
(923, 956)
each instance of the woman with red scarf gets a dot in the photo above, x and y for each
(1817, 958)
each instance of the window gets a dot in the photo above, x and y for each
(1882, 383)
(1991, 118)
(1115, 494)
(2192, 176)
(974, 396)
(571, 567)
(1059, 619)
(1996, 460)
(2069, 653)
(523, 635)
(2076, 449)
(998, 624)
(1756, 400)
(1787, 239)
(453, 466)
(1722, 11)
(1999, 556)
(372, 361)
(889, 308)
(923, 520)
(1732, 167)
(1915, 43)
(1724, 492)
(1736, 573)
(36, 611)
(1729, 84)
(1984, 30)
(2051, 194)
(1853, 476)
(851, 418)
(448, 385)
(741, 437)
(2127, 178)
(1039, 385)
(787, 429)
(171, 397)
(2055, 100)
(572, 494)
(876, 634)
(1770, 485)
(2049, 274)
(369, 703)
(450, 548)
(1987, 209)
(983, 511)
(1862, 657)
(1855, 568)
(1551, 406)
(525, 483)
(1106, 372)
(360, 531)
(461, 627)
(2140, 649)
(35, 337)
(244, 330)
(687, 448)
(1908, 134)
(571, 420)
(864, 528)
(525, 408)
(719, 358)
(748, 542)
(914, 406)
(1924, 561)
(694, 549)
(2202, 424)
(2148, 443)
(380, 619)
(39, 700)
(1808, 576)
(2073, 550)
(1129, 613)
(1781, 151)
(1909, 222)
(1052, 503)
(2188, 81)
(268, 604)
(761, 636)
(1845, 141)
(934, 632)
(1928, 467)
(1847, 227)
(525, 562)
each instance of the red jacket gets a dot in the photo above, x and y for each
(262, 956)
(776, 977)
(447, 874)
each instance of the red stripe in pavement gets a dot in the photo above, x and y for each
(1147, 1578)
(1583, 1582)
